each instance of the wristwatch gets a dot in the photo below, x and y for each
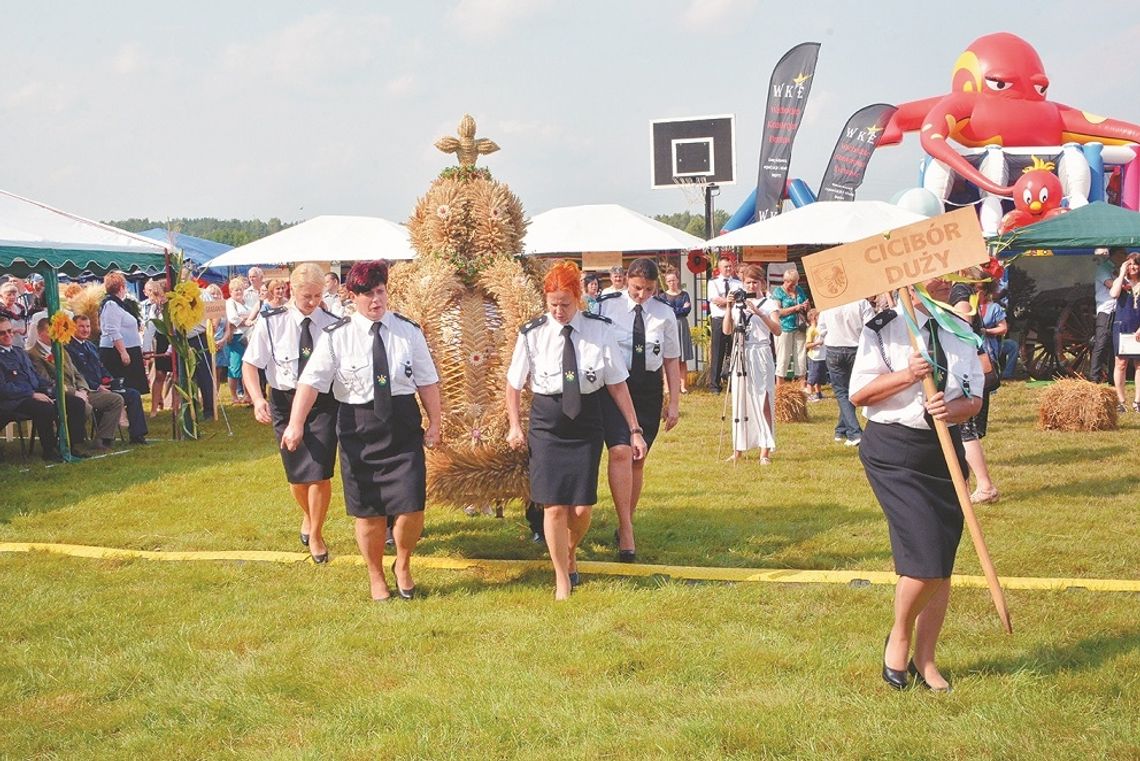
(636, 430)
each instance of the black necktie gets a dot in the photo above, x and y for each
(306, 345)
(637, 366)
(571, 391)
(381, 380)
(937, 355)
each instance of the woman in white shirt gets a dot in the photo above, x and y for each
(570, 357)
(752, 372)
(908, 472)
(120, 339)
(241, 317)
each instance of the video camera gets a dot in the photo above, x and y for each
(740, 295)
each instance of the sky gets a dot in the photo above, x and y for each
(296, 108)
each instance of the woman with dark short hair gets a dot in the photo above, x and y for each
(375, 362)
(569, 356)
(646, 331)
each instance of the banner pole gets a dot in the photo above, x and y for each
(959, 479)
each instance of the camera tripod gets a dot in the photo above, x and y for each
(737, 372)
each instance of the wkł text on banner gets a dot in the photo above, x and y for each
(853, 152)
(788, 93)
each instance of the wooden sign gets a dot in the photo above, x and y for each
(215, 310)
(275, 273)
(897, 258)
(600, 260)
(764, 253)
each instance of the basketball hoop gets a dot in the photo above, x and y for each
(693, 188)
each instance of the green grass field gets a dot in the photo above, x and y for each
(144, 659)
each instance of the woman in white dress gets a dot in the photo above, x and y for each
(752, 368)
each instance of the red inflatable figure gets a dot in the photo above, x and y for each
(1036, 197)
(998, 98)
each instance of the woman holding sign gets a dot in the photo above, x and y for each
(908, 473)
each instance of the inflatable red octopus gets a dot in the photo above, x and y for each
(998, 98)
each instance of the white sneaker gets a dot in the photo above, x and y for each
(852, 442)
(839, 439)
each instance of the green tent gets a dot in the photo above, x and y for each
(1097, 224)
(35, 237)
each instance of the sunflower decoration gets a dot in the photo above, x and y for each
(61, 328)
(186, 306)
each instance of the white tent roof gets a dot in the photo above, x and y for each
(326, 238)
(32, 232)
(602, 227)
(820, 224)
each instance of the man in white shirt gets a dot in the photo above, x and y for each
(252, 295)
(841, 328)
(331, 297)
(719, 294)
(1102, 350)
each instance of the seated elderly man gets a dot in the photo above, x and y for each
(85, 355)
(106, 406)
(26, 394)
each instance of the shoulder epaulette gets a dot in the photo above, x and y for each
(611, 295)
(330, 314)
(533, 324)
(661, 297)
(882, 319)
(592, 316)
(408, 319)
(338, 324)
(274, 311)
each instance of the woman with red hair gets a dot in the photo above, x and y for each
(569, 356)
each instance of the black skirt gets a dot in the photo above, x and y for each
(565, 454)
(382, 465)
(648, 395)
(162, 360)
(134, 374)
(315, 458)
(912, 483)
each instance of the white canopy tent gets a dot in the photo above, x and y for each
(328, 238)
(602, 227)
(822, 223)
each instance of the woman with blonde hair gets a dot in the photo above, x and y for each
(280, 344)
(156, 343)
(240, 318)
(120, 339)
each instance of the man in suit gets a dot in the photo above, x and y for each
(720, 290)
(85, 356)
(25, 394)
(107, 407)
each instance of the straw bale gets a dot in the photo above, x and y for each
(791, 406)
(1075, 404)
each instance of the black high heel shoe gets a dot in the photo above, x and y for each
(304, 539)
(406, 594)
(896, 678)
(913, 671)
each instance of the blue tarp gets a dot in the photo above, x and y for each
(197, 250)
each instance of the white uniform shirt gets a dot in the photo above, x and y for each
(275, 343)
(610, 289)
(842, 326)
(333, 303)
(723, 287)
(662, 340)
(906, 406)
(342, 358)
(538, 354)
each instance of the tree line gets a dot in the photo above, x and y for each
(232, 232)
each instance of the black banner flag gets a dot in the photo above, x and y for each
(788, 92)
(853, 150)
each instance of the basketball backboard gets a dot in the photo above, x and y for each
(696, 148)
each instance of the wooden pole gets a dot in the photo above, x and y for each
(960, 487)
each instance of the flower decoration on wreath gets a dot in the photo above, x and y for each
(697, 262)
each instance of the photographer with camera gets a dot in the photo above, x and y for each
(750, 320)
